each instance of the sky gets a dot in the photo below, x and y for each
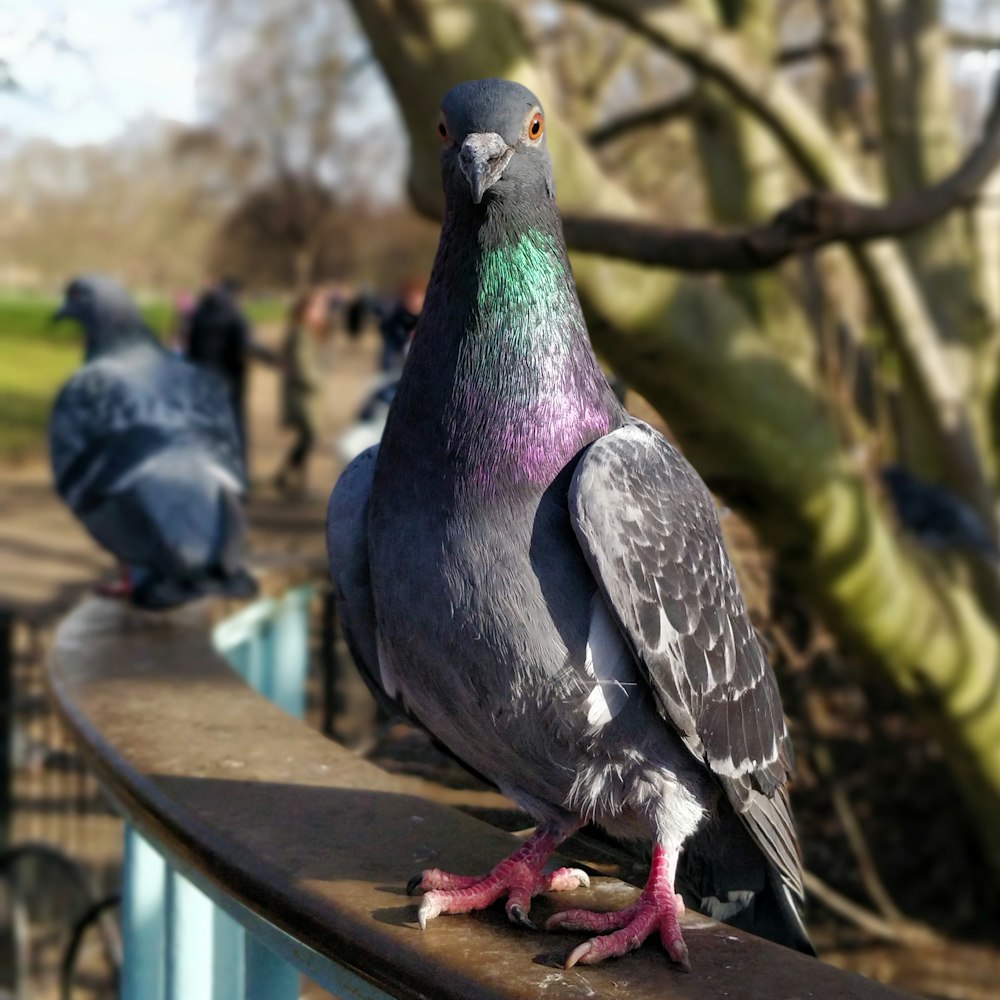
(89, 69)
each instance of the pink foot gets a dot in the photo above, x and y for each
(520, 876)
(658, 908)
(120, 588)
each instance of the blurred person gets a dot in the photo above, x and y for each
(397, 325)
(180, 325)
(220, 338)
(302, 361)
(358, 312)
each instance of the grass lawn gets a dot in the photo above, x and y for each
(36, 357)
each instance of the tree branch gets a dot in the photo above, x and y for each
(792, 54)
(673, 107)
(809, 222)
(973, 40)
(683, 103)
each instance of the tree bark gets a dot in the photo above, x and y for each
(919, 146)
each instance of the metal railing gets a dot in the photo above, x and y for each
(258, 852)
(179, 944)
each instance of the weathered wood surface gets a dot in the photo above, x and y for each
(321, 843)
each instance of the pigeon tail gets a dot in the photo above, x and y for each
(223, 576)
(774, 914)
(723, 875)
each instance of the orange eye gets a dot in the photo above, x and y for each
(536, 126)
(442, 131)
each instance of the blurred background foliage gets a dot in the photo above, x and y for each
(842, 401)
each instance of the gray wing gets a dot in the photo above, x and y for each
(651, 535)
(347, 545)
(118, 411)
(171, 517)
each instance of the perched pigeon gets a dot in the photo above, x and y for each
(936, 516)
(145, 452)
(540, 580)
(370, 421)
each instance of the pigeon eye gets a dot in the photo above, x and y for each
(442, 131)
(536, 126)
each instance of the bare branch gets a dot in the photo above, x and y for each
(973, 40)
(809, 222)
(674, 107)
(679, 105)
(907, 932)
(792, 54)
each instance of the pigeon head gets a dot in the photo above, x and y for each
(105, 310)
(493, 133)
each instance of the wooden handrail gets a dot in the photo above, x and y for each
(310, 847)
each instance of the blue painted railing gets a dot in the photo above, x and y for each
(179, 944)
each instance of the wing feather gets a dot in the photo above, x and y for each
(117, 410)
(651, 535)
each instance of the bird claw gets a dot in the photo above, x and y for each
(518, 915)
(681, 957)
(676, 947)
(656, 909)
(430, 907)
(414, 884)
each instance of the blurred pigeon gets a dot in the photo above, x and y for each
(367, 427)
(145, 452)
(938, 518)
(540, 579)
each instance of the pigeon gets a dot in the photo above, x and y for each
(539, 579)
(935, 516)
(145, 452)
(367, 427)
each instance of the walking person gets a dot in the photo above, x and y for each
(397, 325)
(220, 338)
(302, 361)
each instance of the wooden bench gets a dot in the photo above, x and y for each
(305, 850)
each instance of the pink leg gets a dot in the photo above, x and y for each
(520, 876)
(658, 908)
(120, 588)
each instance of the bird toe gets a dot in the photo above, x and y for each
(566, 879)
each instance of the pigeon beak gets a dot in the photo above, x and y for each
(483, 158)
(60, 314)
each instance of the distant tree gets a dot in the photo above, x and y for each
(283, 235)
(127, 208)
(284, 95)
